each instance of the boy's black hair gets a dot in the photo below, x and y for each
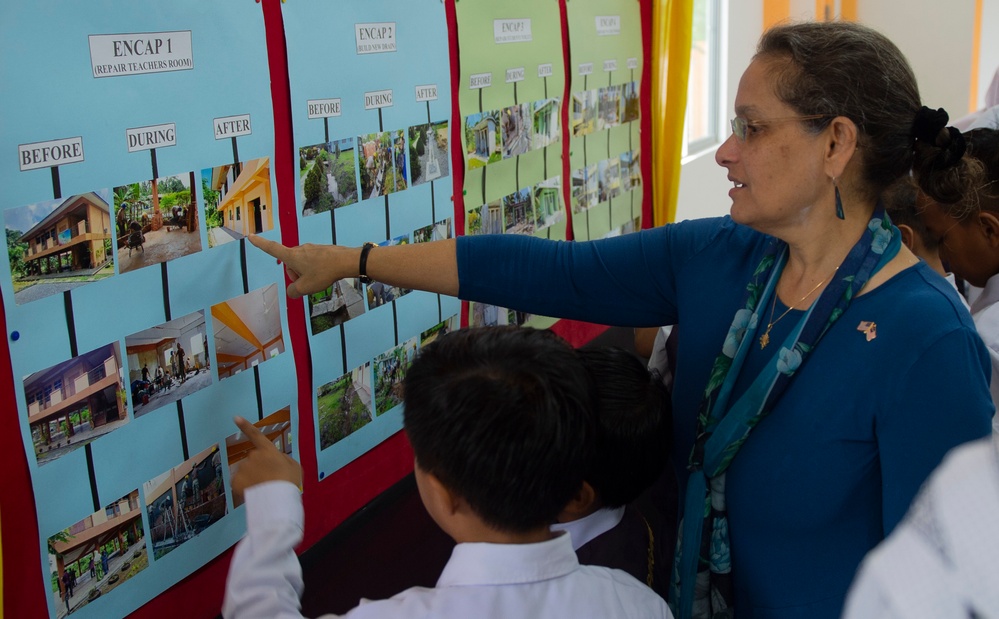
(502, 417)
(900, 204)
(634, 425)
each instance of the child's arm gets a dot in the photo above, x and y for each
(265, 577)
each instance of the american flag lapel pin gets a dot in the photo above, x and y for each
(868, 328)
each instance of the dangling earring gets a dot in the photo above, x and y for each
(839, 201)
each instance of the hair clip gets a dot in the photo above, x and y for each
(868, 328)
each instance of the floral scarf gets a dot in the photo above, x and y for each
(702, 580)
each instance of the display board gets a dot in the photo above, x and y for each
(371, 106)
(150, 141)
(605, 44)
(138, 323)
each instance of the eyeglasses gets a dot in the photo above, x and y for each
(740, 124)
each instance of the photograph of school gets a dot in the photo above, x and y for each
(156, 221)
(608, 179)
(390, 369)
(545, 128)
(433, 232)
(247, 331)
(608, 107)
(344, 405)
(380, 294)
(485, 219)
(237, 200)
(167, 362)
(516, 129)
(57, 245)
(276, 427)
(97, 554)
(74, 402)
(336, 305)
(631, 173)
(383, 163)
(327, 173)
(585, 191)
(584, 112)
(441, 328)
(483, 315)
(184, 501)
(548, 207)
(630, 105)
(482, 139)
(518, 212)
(428, 154)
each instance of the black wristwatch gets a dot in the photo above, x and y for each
(362, 267)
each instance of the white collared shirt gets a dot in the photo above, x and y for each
(480, 580)
(940, 561)
(985, 313)
(590, 527)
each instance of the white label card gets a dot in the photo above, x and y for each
(511, 30)
(586, 68)
(323, 108)
(378, 98)
(545, 70)
(610, 65)
(515, 75)
(480, 80)
(427, 92)
(50, 154)
(143, 52)
(232, 126)
(377, 38)
(148, 138)
(608, 25)
(633, 63)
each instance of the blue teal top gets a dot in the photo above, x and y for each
(834, 466)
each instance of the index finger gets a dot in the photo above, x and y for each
(273, 248)
(257, 438)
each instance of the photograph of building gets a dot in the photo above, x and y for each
(485, 219)
(608, 179)
(545, 124)
(97, 554)
(548, 207)
(516, 130)
(237, 200)
(75, 402)
(276, 427)
(57, 245)
(482, 139)
(518, 213)
(247, 331)
(185, 501)
(608, 107)
(584, 112)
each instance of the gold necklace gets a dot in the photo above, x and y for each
(765, 338)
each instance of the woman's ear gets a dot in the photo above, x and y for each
(840, 146)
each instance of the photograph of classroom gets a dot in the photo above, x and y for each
(237, 200)
(247, 331)
(97, 554)
(167, 362)
(57, 245)
(75, 402)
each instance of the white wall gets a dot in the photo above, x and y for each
(935, 36)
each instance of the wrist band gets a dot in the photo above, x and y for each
(362, 267)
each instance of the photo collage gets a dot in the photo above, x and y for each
(526, 211)
(515, 130)
(349, 402)
(599, 110)
(342, 172)
(58, 245)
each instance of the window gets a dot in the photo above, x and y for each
(703, 84)
(237, 213)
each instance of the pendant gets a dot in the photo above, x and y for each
(765, 339)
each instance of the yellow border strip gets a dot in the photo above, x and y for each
(976, 49)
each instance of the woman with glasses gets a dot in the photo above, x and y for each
(822, 369)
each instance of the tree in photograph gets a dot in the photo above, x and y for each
(15, 253)
(315, 184)
(212, 217)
